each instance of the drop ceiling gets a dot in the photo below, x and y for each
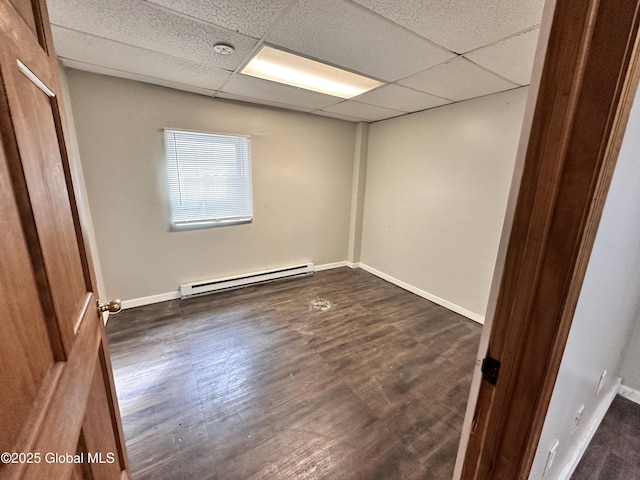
(428, 53)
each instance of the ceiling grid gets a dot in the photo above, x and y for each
(428, 53)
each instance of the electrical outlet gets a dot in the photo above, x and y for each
(550, 457)
(576, 420)
(601, 382)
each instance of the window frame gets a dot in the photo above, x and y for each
(187, 218)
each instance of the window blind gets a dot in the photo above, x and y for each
(209, 177)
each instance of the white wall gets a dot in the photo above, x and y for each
(608, 306)
(436, 192)
(434, 195)
(80, 188)
(357, 191)
(302, 177)
(630, 371)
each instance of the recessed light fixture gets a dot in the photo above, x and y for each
(284, 67)
(223, 49)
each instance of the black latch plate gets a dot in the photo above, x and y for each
(490, 369)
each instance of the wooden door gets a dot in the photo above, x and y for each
(580, 103)
(58, 413)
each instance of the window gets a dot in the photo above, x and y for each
(209, 178)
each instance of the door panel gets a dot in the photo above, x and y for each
(23, 332)
(59, 431)
(57, 404)
(46, 184)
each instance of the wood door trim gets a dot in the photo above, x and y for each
(589, 79)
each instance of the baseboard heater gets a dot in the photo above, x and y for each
(239, 281)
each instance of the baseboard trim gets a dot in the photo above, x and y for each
(421, 293)
(329, 266)
(163, 297)
(139, 302)
(576, 451)
(629, 393)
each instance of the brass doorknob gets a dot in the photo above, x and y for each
(113, 306)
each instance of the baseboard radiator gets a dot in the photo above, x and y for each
(244, 280)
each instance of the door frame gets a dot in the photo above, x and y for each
(583, 87)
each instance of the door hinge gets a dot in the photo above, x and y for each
(490, 369)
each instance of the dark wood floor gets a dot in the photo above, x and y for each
(257, 384)
(614, 451)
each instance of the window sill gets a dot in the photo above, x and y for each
(208, 224)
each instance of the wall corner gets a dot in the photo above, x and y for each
(360, 152)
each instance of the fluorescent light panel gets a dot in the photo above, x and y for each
(283, 67)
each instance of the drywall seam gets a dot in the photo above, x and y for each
(577, 449)
(429, 296)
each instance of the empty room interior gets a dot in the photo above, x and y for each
(329, 330)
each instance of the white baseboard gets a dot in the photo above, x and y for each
(421, 293)
(139, 302)
(629, 393)
(329, 266)
(577, 449)
(163, 297)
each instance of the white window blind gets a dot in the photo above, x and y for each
(209, 177)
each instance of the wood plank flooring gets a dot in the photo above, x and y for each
(256, 384)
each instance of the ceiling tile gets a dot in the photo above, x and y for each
(170, 43)
(144, 25)
(139, 78)
(339, 117)
(457, 79)
(461, 25)
(345, 35)
(249, 17)
(400, 98)
(265, 90)
(81, 47)
(369, 113)
(240, 98)
(512, 58)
